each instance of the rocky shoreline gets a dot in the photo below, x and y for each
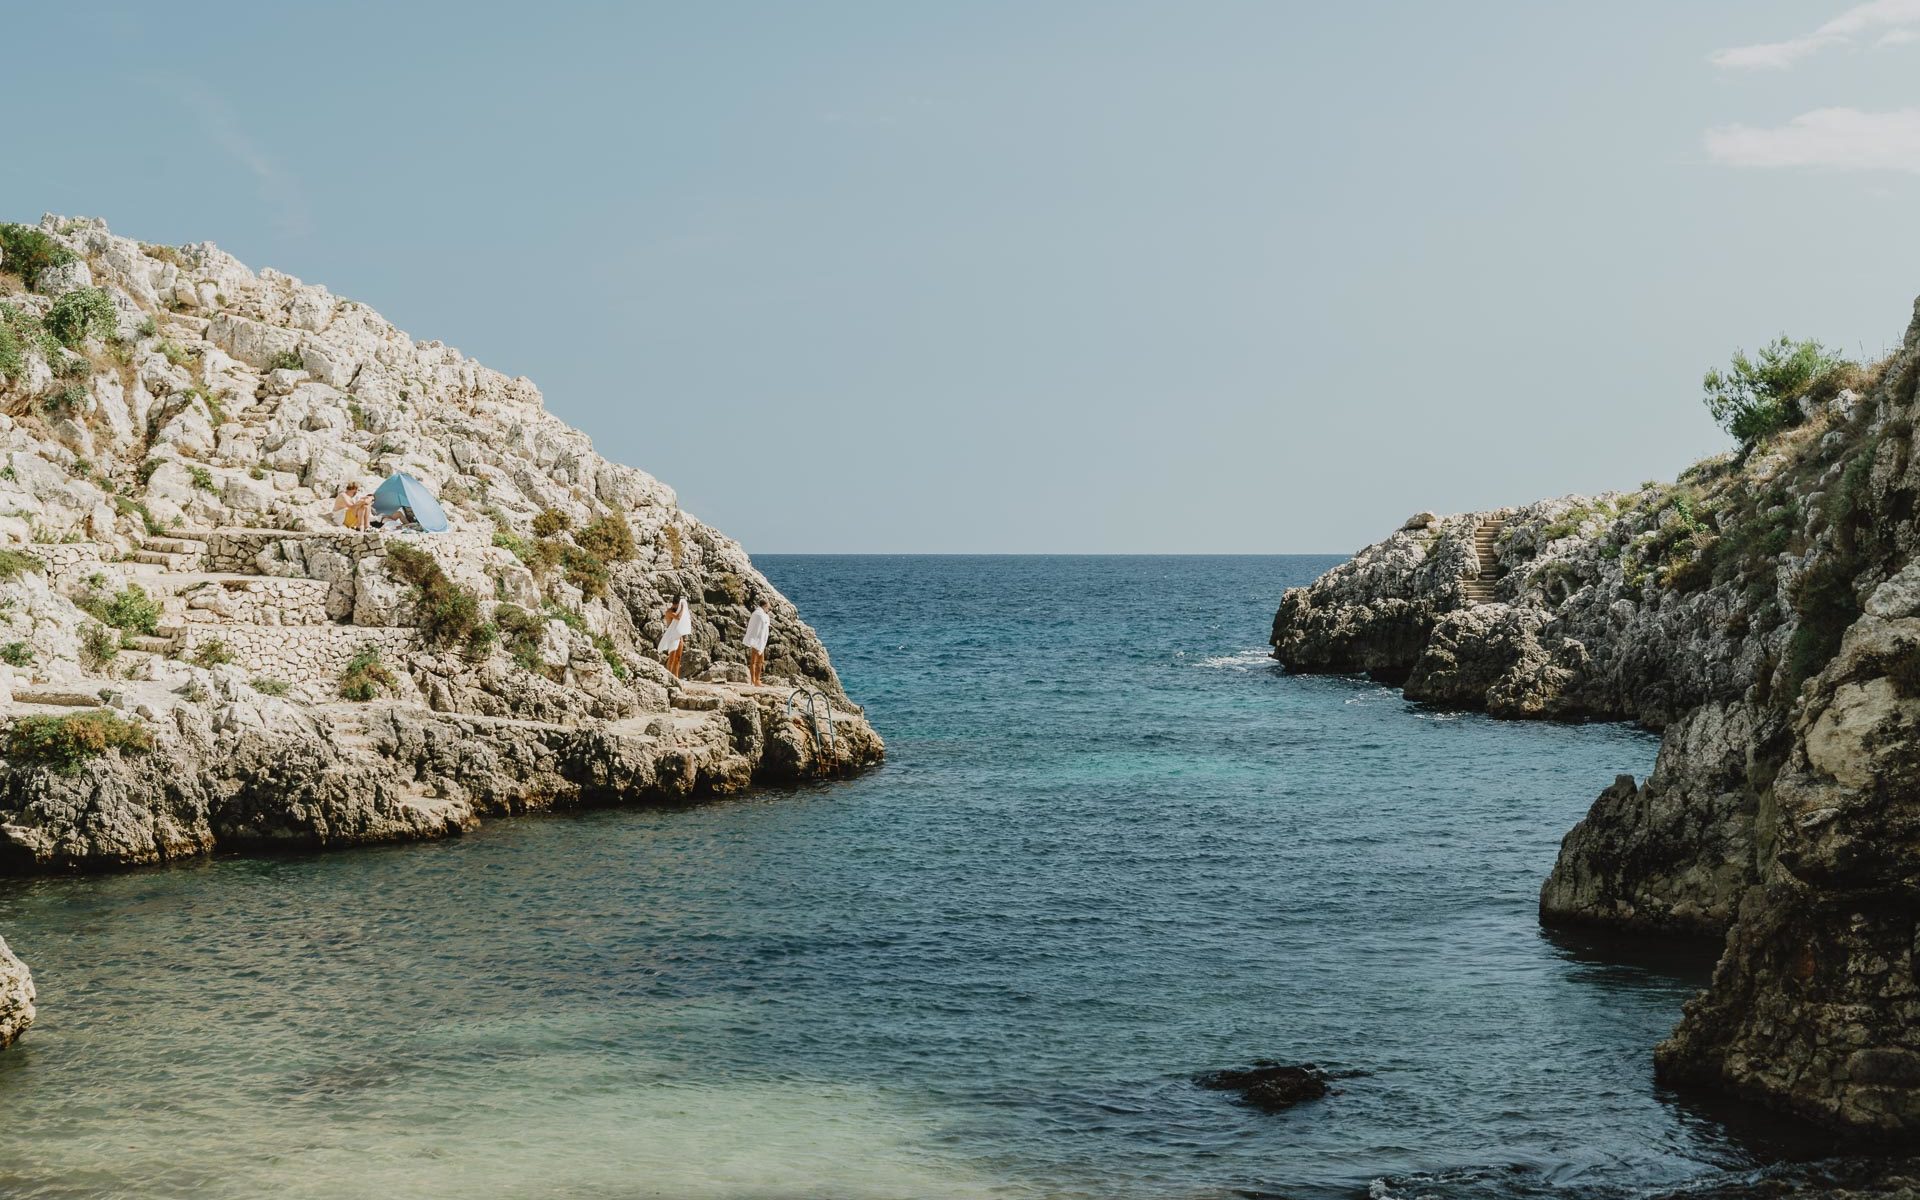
(195, 656)
(1763, 613)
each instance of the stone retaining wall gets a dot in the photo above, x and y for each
(313, 654)
(69, 564)
(258, 601)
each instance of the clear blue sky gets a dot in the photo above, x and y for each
(1052, 276)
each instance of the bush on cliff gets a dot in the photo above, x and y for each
(609, 539)
(366, 676)
(66, 743)
(81, 314)
(129, 609)
(1760, 396)
(550, 522)
(25, 251)
(447, 613)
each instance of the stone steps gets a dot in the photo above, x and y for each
(1481, 589)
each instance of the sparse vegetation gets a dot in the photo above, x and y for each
(81, 314)
(129, 609)
(64, 402)
(14, 563)
(147, 327)
(584, 570)
(366, 675)
(551, 522)
(286, 360)
(521, 632)
(447, 613)
(99, 646)
(16, 654)
(65, 744)
(175, 353)
(272, 687)
(1825, 603)
(26, 251)
(202, 478)
(211, 653)
(675, 550)
(608, 538)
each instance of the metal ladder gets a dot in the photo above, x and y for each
(816, 700)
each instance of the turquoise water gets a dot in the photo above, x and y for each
(1113, 846)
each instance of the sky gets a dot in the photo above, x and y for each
(1194, 276)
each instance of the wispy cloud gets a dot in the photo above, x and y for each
(1893, 19)
(1842, 138)
(275, 185)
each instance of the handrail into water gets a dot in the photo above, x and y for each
(813, 716)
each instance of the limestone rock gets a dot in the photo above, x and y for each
(16, 997)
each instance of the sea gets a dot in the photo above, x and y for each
(1114, 846)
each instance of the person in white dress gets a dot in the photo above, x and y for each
(759, 627)
(679, 624)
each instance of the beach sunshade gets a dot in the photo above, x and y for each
(402, 490)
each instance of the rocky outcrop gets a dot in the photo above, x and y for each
(1764, 613)
(16, 997)
(1268, 1086)
(195, 655)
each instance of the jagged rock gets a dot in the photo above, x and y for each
(1269, 1086)
(16, 997)
(232, 530)
(1766, 614)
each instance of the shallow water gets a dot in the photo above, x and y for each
(1113, 846)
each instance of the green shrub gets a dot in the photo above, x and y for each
(512, 542)
(81, 314)
(65, 744)
(447, 613)
(64, 402)
(615, 663)
(80, 468)
(366, 676)
(16, 654)
(211, 653)
(1823, 598)
(175, 353)
(547, 554)
(144, 472)
(1758, 397)
(286, 360)
(203, 479)
(585, 571)
(521, 631)
(609, 538)
(272, 687)
(99, 646)
(147, 327)
(130, 609)
(551, 521)
(25, 251)
(14, 563)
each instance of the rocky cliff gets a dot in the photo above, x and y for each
(1764, 613)
(194, 654)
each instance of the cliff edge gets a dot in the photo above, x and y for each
(194, 654)
(1763, 611)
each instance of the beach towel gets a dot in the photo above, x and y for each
(759, 625)
(680, 626)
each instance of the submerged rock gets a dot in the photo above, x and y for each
(16, 997)
(1268, 1086)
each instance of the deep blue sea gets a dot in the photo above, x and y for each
(1113, 845)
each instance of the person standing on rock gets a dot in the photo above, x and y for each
(759, 626)
(679, 625)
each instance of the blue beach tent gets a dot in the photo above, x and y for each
(402, 490)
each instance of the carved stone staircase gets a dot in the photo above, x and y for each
(1481, 588)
